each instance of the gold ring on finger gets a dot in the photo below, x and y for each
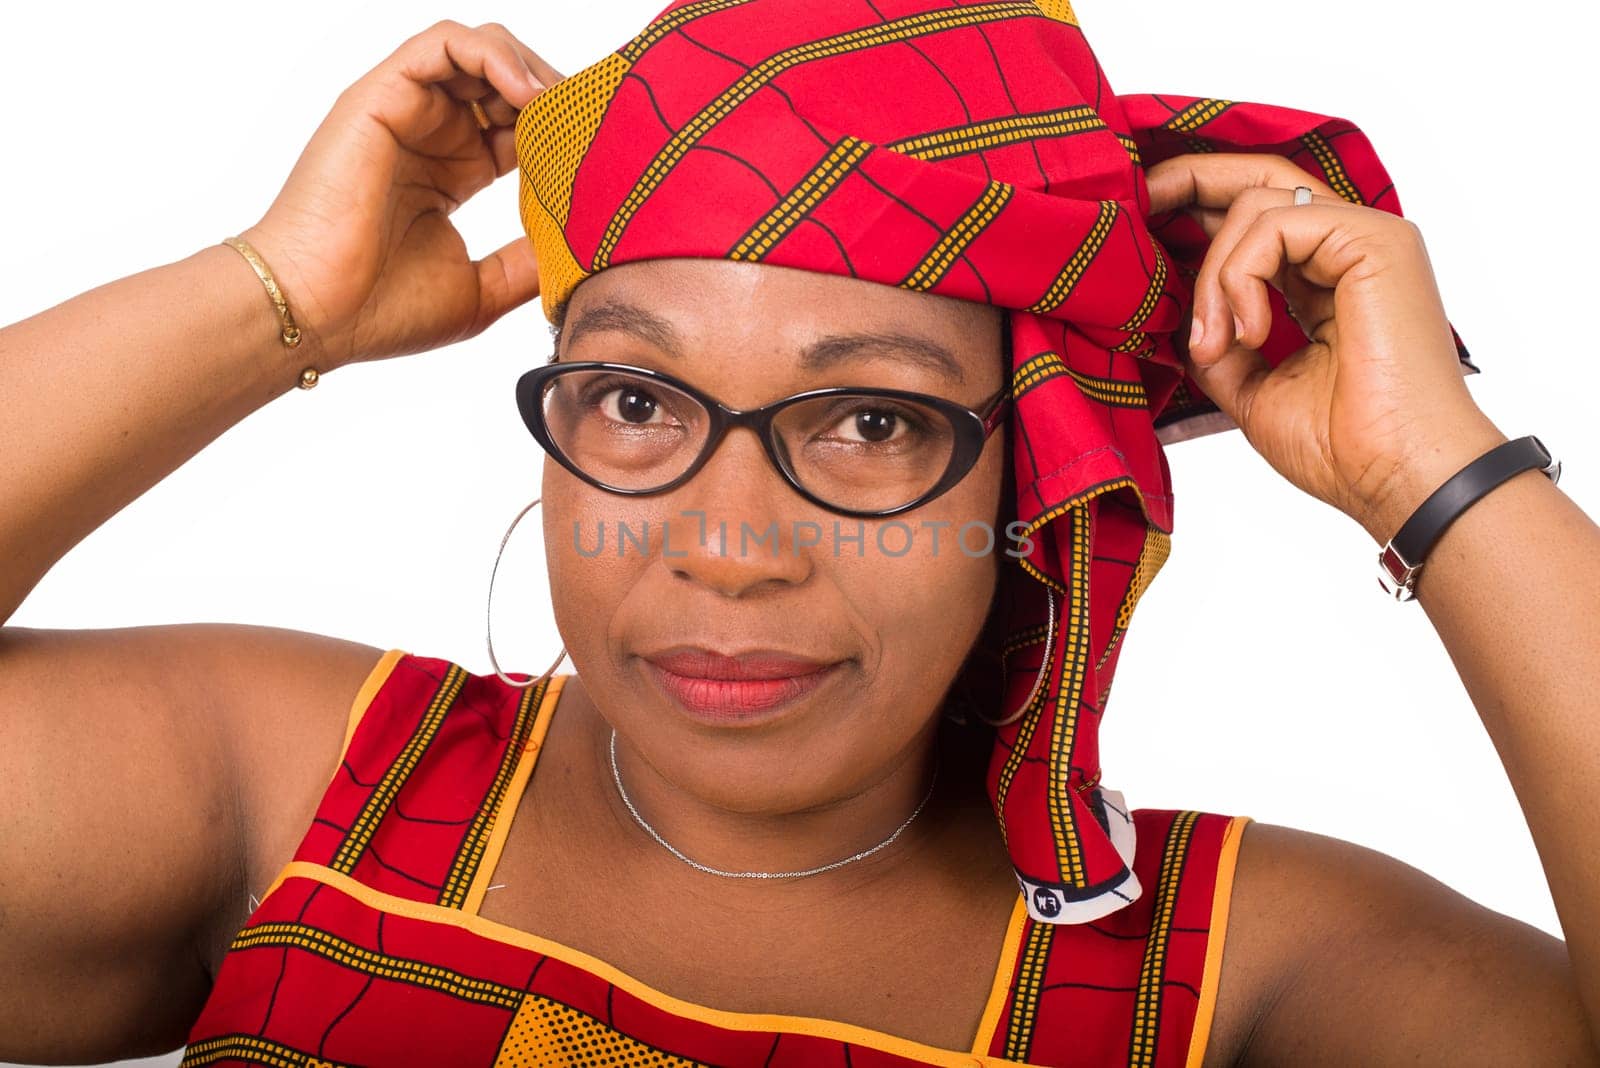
(478, 115)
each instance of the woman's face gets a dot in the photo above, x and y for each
(895, 625)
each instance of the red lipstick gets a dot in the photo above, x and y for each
(725, 689)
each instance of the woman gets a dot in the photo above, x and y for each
(826, 779)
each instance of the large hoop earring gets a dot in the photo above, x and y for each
(1044, 669)
(489, 615)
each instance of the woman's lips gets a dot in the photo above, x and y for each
(724, 689)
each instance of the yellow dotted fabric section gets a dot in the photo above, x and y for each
(1060, 10)
(553, 134)
(1157, 547)
(546, 1032)
(993, 133)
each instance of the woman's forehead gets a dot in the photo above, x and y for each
(679, 305)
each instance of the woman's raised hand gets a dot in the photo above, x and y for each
(360, 237)
(1372, 414)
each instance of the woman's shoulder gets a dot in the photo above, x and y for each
(1341, 949)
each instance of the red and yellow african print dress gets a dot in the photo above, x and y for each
(368, 948)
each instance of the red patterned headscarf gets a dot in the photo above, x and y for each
(973, 150)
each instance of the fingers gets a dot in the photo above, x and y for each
(544, 72)
(1224, 192)
(420, 92)
(1231, 380)
(1266, 238)
(507, 279)
(1215, 179)
(502, 141)
(446, 50)
(1310, 306)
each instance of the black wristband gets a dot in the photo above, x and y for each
(1400, 559)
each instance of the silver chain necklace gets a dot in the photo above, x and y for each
(759, 874)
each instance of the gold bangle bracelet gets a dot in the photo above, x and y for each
(290, 333)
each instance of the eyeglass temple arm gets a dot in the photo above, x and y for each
(997, 410)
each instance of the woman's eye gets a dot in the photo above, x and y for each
(872, 425)
(630, 405)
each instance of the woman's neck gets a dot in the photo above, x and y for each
(788, 841)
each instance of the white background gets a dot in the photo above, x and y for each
(1265, 674)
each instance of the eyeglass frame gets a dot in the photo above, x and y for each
(972, 429)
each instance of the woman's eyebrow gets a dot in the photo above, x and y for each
(820, 355)
(629, 319)
(839, 348)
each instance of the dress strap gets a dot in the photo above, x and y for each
(1146, 974)
(413, 807)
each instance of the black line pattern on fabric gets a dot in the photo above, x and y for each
(712, 51)
(1025, 438)
(464, 865)
(988, 172)
(381, 799)
(372, 850)
(1006, 85)
(763, 74)
(753, 169)
(599, 1023)
(470, 704)
(746, 164)
(358, 959)
(843, 255)
(819, 183)
(935, 227)
(327, 1031)
(398, 811)
(351, 772)
(283, 961)
(1118, 989)
(650, 95)
(1148, 1002)
(663, 27)
(954, 242)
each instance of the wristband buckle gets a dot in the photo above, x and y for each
(1397, 576)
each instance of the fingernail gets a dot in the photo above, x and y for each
(1238, 327)
(1197, 330)
(534, 84)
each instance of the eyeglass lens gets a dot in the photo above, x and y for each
(853, 451)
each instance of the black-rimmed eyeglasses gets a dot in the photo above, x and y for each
(855, 450)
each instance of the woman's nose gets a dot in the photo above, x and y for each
(737, 525)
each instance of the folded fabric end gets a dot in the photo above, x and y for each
(1062, 904)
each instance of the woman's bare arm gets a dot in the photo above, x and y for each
(146, 771)
(1387, 966)
(109, 392)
